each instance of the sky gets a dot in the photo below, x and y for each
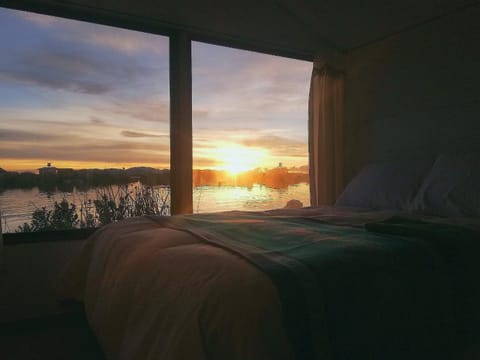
(81, 95)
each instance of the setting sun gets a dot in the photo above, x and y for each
(236, 159)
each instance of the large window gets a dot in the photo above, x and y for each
(84, 123)
(250, 149)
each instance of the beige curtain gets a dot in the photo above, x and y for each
(326, 134)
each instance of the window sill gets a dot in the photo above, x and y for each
(10, 239)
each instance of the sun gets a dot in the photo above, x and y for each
(236, 159)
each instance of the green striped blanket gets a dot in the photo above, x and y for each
(346, 293)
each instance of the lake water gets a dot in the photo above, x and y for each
(17, 205)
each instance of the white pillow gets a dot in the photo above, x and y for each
(385, 186)
(452, 188)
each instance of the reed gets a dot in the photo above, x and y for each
(111, 204)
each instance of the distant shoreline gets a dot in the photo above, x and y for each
(67, 179)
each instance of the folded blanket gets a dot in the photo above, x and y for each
(405, 226)
(459, 247)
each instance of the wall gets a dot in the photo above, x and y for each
(415, 93)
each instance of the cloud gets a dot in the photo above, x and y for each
(66, 67)
(270, 141)
(199, 114)
(120, 40)
(155, 109)
(97, 121)
(116, 152)
(278, 146)
(31, 77)
(58, 71)
(239, 97)
(137, 134)
(39, 19)
(253, 88)
(24, 136)
(119, 147)
(201, 162)
(128, 41)
(246, 136)
(39, 121)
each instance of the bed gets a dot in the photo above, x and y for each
(341, 282)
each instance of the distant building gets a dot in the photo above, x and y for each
(48, 170)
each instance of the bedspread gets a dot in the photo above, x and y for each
(204, 287)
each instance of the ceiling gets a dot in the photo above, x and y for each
(303, 29)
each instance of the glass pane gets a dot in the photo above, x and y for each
(250, 118)
(84, 117)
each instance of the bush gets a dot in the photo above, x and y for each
(62, 217)
(109, 206)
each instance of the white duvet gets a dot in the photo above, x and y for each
(156, 293)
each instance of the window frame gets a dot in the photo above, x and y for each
(180, 69)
